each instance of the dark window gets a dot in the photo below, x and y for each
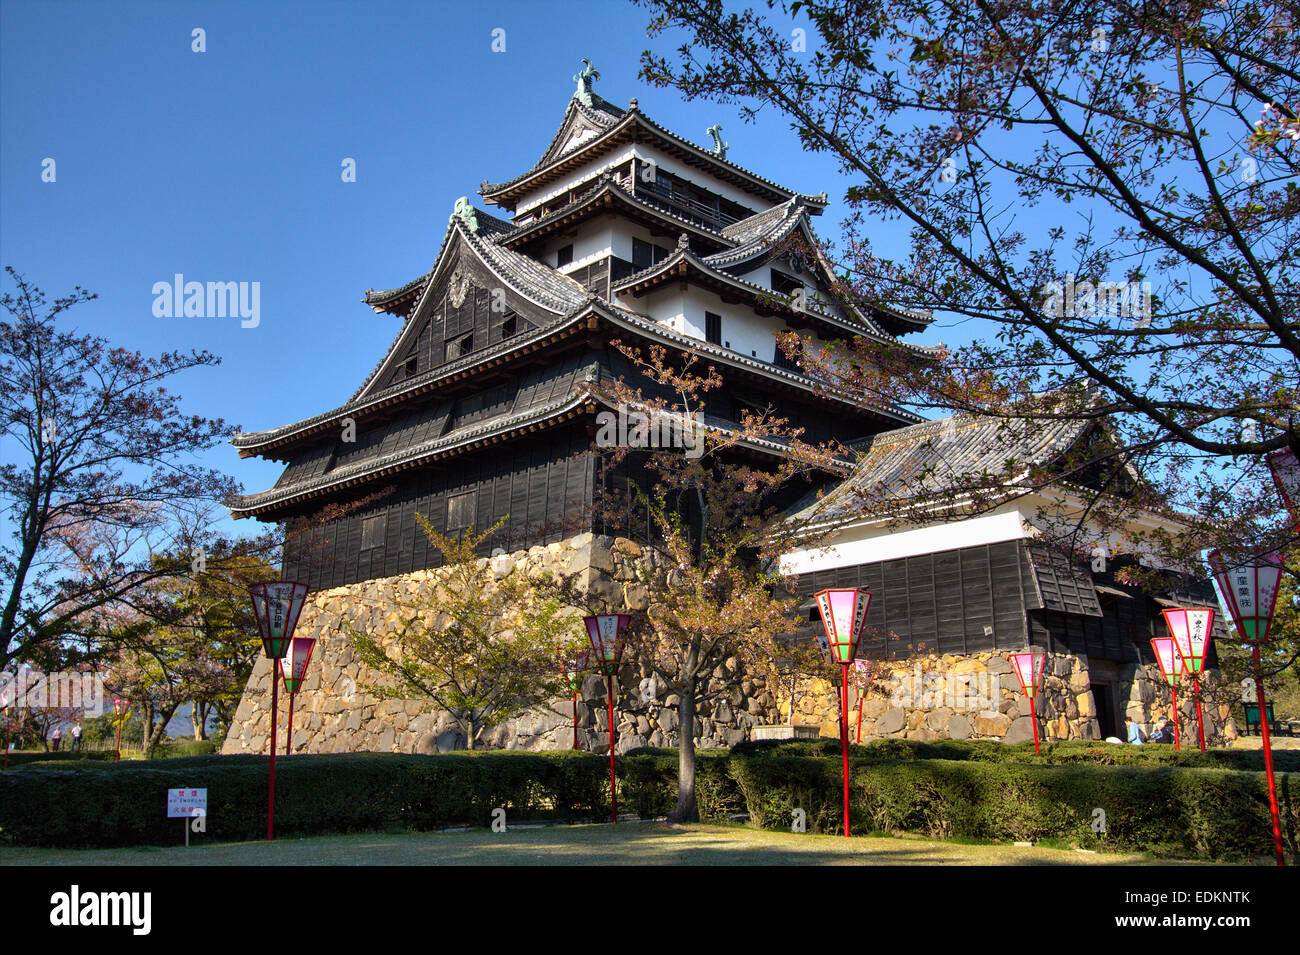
(460, 511)
(781, 360)
(564, 256)
(412, 364)
(460, 346)
(784, 284)
(645, 255)
(372, 531)
(713, 328)
(509, 326)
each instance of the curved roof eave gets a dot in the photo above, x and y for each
(492, 192)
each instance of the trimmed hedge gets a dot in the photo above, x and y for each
(1165, 810)
(1053, 753)
(119, 804)
(898, 786)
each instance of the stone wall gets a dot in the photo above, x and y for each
(337, 710)
(978, 697)
(931, 697)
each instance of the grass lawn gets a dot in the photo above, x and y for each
(648, 843)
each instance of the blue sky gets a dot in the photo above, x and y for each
(225, 165)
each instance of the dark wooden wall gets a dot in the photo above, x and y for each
(938, 602)
(545, 485)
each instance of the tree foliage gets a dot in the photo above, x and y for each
(484, 649)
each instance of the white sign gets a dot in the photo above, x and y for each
(186, 803)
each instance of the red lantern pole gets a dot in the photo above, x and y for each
(1173, 705)
(575, 721)
(1029, 668)
(613, 786)
(605, 631)
(288, 732)
(844, 744)
(1200, 721)
(1268, 759)
(270, 797)
(843, 612)
(1249, 591)
(277, 606)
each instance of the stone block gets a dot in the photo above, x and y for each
(958, 727)
(1020, 730)
(890, 721)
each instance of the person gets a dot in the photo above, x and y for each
(57, 737)
(1135, 735)
(1163, 733)
(76, 737)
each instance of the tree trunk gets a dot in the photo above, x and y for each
(686, 810)
(199, 720)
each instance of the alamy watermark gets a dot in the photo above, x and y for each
(629, 428)
(1071, 299)
(32, 689)
(957, 691)
(181, 299)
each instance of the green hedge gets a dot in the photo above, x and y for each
(896, 786)
(1053, 753)
(1165, 810)
(118, 804)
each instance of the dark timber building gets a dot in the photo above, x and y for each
(485, 404)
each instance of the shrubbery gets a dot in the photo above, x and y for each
(1153, 800)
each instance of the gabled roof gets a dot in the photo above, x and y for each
(549, 290)
(628, 126)
(684, 264)
(604, 192)
(756, 236)
(959, 453)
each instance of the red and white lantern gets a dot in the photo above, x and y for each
(1286, 475)
(605, 631)
(1190, 627)
(1249, 591)
(1171, 667)
(1029, 671)
(843, 611)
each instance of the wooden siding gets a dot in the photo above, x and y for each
(938, 602)
(545, 486)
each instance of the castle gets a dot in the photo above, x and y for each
(488, 403)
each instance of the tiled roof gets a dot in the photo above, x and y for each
(936, 458)
(247, 503)
(622, 120)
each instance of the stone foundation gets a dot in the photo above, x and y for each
(978, 697)
(334, 712)
(927, 698)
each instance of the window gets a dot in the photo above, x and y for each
(372, 531)
(713, 328)
(460, 511)
(645, 255)
(509, 326)
(412, 364)
(784, 284)
(564, 256)
(790, 363)
(460, 346)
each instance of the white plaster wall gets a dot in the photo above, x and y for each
(588, 170)
(872, 543)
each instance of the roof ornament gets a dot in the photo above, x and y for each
(719, 147)
(584, 80)
(683, 241)
(463, 210)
